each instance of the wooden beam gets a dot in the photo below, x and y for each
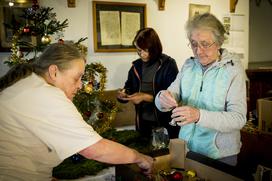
(233, 4)
(71, 3)
(161, 5)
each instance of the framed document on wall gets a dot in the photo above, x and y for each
(115, 25)
(196, 9)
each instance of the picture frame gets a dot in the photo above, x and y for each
(115, 25)
(195, 9)
(11, 16)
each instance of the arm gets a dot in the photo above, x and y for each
(139, 97)
(111, 152)
(171, 97)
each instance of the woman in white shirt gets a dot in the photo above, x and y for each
(39, 124)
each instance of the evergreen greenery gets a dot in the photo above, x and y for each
(72, 168)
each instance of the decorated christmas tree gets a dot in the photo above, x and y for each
(40, 24)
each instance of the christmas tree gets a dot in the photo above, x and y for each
(40, 23)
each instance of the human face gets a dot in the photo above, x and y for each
(204, 47)
(69, 80)
(144, 54)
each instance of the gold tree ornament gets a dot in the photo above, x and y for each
(46, 39)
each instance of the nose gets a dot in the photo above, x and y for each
(198, 49)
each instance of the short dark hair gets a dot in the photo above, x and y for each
(148, 39)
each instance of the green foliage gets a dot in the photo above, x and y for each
(70, 170)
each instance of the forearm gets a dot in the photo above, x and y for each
(222, 121)
(110, 152)
(148, 98)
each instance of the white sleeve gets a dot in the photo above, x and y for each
(56, 121)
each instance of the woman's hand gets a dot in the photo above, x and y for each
(138, 97)
(167, 100)
(121, 94)
(184, 115)
(146, 163)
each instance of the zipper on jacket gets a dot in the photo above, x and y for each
(203, 75)
(201, 86)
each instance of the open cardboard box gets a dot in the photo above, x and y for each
(265, 114)
(179, 159)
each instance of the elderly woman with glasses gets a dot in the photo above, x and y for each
(211, 87)
(149, 74)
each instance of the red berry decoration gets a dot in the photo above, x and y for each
(88, 113)
(176, 176)
(26, 29)
(61, 41)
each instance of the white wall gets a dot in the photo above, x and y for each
(168, 23)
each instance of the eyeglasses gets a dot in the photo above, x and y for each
(203, 45)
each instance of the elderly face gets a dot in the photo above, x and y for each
(204, 46)
(69, 80)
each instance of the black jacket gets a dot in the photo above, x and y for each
(164, 76)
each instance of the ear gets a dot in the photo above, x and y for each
(52, 71)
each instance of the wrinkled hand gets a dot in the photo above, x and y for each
(167, 100)
(146, 163)
(138, 97)
(184, 115)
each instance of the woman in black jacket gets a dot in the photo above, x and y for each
(152, 72)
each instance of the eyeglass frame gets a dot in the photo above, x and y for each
(200, 46)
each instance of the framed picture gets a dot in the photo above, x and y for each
(195, 9)
(115, 25)
(10, 19)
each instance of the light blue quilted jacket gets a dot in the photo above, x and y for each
(220, 95)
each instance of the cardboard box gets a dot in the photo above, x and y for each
(179, 160)
(264, 108)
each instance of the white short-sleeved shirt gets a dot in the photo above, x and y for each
(39, 128)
